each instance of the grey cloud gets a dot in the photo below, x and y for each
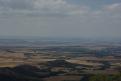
(42, 18)
(16, 4)
(54, 7)
(39, 7)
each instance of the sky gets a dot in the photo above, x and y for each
(61, 18)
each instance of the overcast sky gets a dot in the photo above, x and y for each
(60, 18)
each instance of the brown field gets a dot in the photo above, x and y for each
(63, 78)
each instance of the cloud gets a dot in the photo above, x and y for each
(108, 11)
(7, 5)
(113, 7)
(58, 18)
(36, 7)
(54, 7)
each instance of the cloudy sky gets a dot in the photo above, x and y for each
(60, 18)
